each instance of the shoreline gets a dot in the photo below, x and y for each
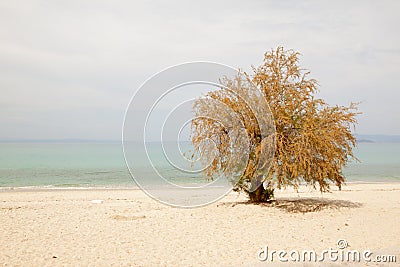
(135, 187)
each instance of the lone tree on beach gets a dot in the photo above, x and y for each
(312, 141)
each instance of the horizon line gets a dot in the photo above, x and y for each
(360, 137)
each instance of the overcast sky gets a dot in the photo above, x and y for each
(69, 68)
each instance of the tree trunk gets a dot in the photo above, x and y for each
(261, 194)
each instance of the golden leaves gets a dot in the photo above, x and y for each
(313, 140)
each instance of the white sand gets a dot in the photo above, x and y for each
(64, 227)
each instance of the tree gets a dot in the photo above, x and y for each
(311, 140)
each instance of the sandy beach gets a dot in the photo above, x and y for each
(65, 228)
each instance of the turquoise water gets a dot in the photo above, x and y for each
(41, 164)
(103, 164)
(380, 162)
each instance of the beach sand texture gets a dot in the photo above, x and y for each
(65, 228)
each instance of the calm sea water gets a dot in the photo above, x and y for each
(87, 165)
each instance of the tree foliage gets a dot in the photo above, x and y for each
(312, 141)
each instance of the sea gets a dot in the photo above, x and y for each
(83, 165)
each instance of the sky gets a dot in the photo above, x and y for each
(69, 68)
